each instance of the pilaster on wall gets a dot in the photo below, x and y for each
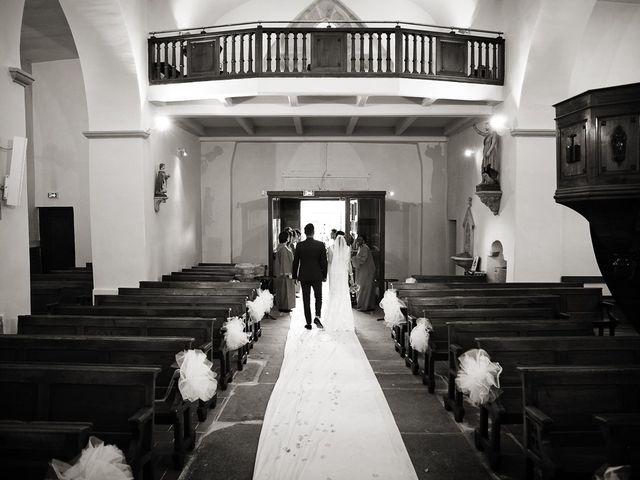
(14, 222)
(117, 177)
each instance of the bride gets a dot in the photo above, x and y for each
(338, 315)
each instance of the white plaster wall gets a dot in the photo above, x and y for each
(235, 213)
(14, 222)
(174, 234)
(464, 175)
(172, 14)
(61, 152)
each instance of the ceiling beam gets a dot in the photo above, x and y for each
(404, 124)
(246, 125)
(428, 101)
(297, 122)
(227, 101)
(362, 100)
(191, 126)
(459, 125)
(351, 126)
(293, 101)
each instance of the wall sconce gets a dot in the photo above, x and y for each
(392, 193)
(162, 123)
(182, 152)
(498, 123)
(468, 153)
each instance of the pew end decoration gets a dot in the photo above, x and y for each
(97, 462)
(197, 380)
(391, 305)
(478, 377)
(419, 338)
(234, 336)
(411, 280)
(622, 472)
(261, 305)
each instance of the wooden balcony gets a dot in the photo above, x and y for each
(425, 52)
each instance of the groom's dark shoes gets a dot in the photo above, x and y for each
(308, 326)
(318, 322)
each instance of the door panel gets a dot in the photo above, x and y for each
(57, 238)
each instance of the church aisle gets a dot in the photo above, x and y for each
(327, 417)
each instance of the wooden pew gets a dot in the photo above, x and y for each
(117, 400)
(197, 277)
(250, 293)
(235, 303)
(620, 431)
(561, 435)
(62, 277)
(424, 305)
(169, 407)
(159, 311)
(44, 294)
(206, 332)
(512, 353)
(26, 448)
(438, 347)
(450, 278)
(199, 284)
(462, 337)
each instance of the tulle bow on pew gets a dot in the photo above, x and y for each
(411, 280)
(235, 336)
(391, 305)
(622, 472)
(197, 380)
(97, 462)
(419, 338)
(478, 377)
(262, 305)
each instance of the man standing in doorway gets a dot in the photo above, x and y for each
(310, 268)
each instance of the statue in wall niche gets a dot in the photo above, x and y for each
(160, 191)
(468, 225)
(161, 182)
(490, 167)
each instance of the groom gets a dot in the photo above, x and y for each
(311, 258)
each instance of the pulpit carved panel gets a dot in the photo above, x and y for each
(573, 151)
(618, 144)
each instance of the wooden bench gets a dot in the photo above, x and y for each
(451, 278)
(438, 346)
(250, 293)
(44, 294)
(512, 353)
(206, 331)
(169, 407)
(236, 304)
(62, 277)
(197, 277)
(159, 311)
(424, 305)
(561, 435)
(462, 337)
(620, 431)
(26, 448)
(199, 284)
(117, 400)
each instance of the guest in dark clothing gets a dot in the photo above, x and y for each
(310, 268)
(283, 283)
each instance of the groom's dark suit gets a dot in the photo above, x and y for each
(310, 267)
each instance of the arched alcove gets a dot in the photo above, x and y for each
(496, 264)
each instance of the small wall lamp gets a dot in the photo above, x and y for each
(182, 152)
(468, 152)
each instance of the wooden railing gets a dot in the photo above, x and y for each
(263, 51)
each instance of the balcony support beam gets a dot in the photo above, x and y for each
(297, 122)
(404, 124)
(246, 125)
(351, 126)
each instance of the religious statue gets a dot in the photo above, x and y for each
(489, 155)
(161, 182)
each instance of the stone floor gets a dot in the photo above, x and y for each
(439, 447)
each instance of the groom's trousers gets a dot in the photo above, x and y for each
(306, 298)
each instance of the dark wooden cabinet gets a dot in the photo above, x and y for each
(598, 169)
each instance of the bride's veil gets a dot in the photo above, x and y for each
(341, 252)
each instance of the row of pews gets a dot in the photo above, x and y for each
(109, 370)
(71, 286)
(567, 380)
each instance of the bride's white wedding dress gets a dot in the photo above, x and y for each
(327, 416)
(337, 316)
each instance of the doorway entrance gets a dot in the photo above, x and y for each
(360, 213)
(57, 238)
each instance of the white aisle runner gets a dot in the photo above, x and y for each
(327, 417)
